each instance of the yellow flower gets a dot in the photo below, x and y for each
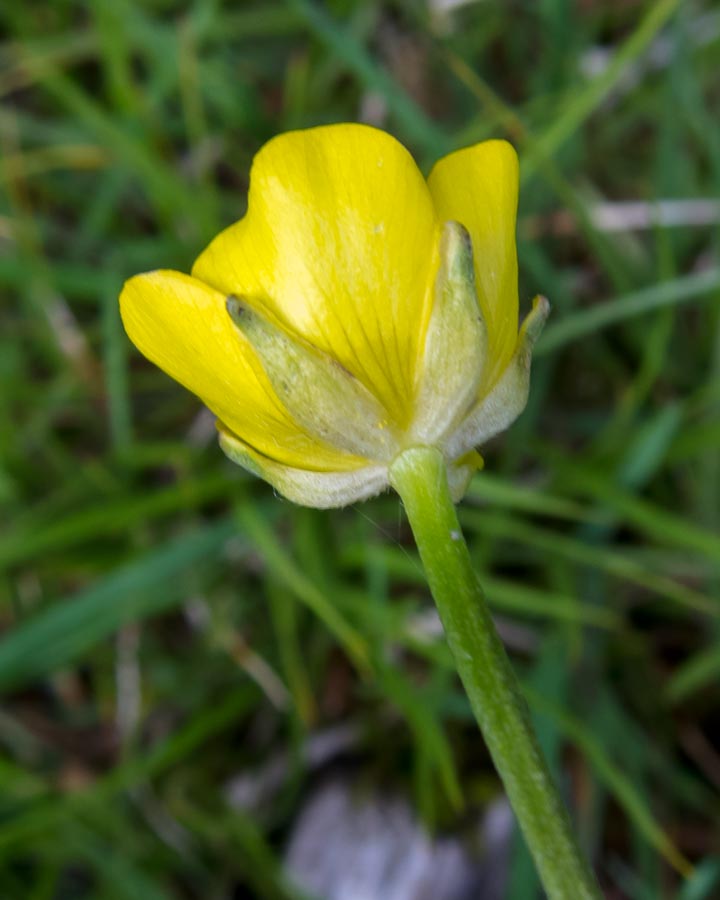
(357, 310)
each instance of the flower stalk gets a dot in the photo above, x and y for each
(419, 476)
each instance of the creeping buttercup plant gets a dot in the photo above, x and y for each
(358, 329)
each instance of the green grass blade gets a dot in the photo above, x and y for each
(582, 324)
(70, 627)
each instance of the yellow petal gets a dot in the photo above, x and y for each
(478, 187)
(340, 245)
(182, 326)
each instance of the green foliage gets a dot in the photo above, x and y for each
(167, 623)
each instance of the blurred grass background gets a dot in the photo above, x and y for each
(171, 628)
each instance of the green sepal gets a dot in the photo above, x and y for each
(321, 490)
(455, 345)
(320, 394)
(507, 399)
(460, 473)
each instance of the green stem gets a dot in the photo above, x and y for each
(420, 478)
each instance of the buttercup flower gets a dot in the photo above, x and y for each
(356, 311)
